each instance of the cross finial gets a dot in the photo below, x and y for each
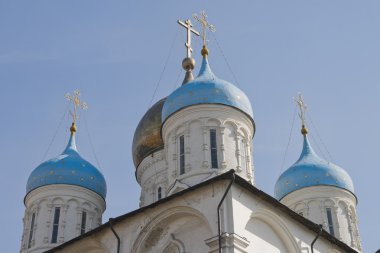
(189, 27)
(202, 19)
(77, 104)
(302, 109)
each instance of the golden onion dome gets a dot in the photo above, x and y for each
(147, 138)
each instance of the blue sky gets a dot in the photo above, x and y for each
(115, 52)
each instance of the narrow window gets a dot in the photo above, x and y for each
(83, 224)
(243, 154)
(54, 235)
(330, 221)
(31, 230)
(159, 193)
(214, 150)
(181, 155)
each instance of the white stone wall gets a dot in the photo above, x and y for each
(152, 174)
(72, 200)
(234, 133)
(266, 229)
(312, 203)
(188, 223)
(177, 226)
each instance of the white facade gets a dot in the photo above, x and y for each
(188, 223)
(72, 201)
(333, 207)
(234, 132)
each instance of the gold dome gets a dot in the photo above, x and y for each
(147, 138)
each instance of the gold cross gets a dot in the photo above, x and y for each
(302, 107)
(77, 103)
(188, 25)
(202, 19)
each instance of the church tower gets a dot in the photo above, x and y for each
(320, 191)
(207, 130)
(65, 197)
(202, 129)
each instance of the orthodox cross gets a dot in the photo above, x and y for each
(202, 19)
(189, 27)
(302, 108)
(77, 104)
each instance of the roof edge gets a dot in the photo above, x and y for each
(239, 181)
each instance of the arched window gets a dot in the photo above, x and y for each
(83, 222)
(182, 154)
(213, 149)
(54, 234)
(330, 223)
(159, 193)
(31, 231)
(243, 153)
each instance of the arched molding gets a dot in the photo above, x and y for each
(344, 209)
(86, 205)
(195, 121)
(302, 209)
(58, 201)
(279, 227)
(41, 202)
(243, 132)
(227, 123)
(164, 218)
(173, 246)
(312, 202)
(75, 201)
(329, 203)
(180, 129)
(210, 121)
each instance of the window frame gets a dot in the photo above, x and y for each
(243, 153)
(181, 142)
(213, 149)
(31, 231)
(83, 224)
(330, 220)
(56, 220)
(159, 193)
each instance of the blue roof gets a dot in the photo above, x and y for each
(311, 170)
(206, 89)
(68, 168)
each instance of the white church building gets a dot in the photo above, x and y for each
(193, 157)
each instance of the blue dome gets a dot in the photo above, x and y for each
(68, 168)
(206, 89)
(311, 170)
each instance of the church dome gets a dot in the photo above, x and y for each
(311, 170)
(147, 138)
(68, 168)
(206, 88)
